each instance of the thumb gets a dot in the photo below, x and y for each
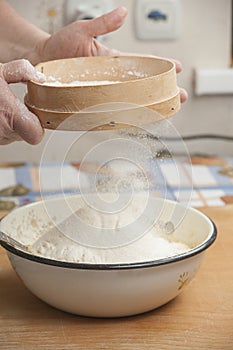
(106, 23)
(20, 71)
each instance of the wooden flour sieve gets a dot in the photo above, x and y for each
(123, 91)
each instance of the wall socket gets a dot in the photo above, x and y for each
(86, 9)
(158, 19)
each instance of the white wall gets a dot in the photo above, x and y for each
(205, 42)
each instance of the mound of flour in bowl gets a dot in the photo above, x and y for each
(152, 245)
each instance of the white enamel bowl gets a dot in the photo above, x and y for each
(108, 290)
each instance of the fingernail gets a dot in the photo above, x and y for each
(122, 11)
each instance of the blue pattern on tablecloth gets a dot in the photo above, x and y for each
(208, 188)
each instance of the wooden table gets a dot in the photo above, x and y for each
(200, 318)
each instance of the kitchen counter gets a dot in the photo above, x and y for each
(200, 318)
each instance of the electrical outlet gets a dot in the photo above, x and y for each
(158, 19)
(86, 9)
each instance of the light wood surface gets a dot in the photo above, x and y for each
(106, 120)
(138, 81)
(200, 318)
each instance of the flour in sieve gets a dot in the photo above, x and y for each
(54, 82)
(125, 76)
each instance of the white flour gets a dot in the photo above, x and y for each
(52, 81)
(150, 246)
(75, 242)
(80, 83)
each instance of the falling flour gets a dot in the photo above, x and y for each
(76, 238)
(95, 236)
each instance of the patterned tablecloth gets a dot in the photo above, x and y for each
(203, 182)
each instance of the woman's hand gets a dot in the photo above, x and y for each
(78, 39)
(16, 121)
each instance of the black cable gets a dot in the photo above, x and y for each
(202, 136)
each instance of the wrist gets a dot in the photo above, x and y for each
(35, 55)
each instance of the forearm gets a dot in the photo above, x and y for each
(19, 38)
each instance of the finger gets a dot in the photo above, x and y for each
(16, 121)
(7, 134)
(20, 71)
(26, 124)
(106, 23)
(178, 65)
(183, 95)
